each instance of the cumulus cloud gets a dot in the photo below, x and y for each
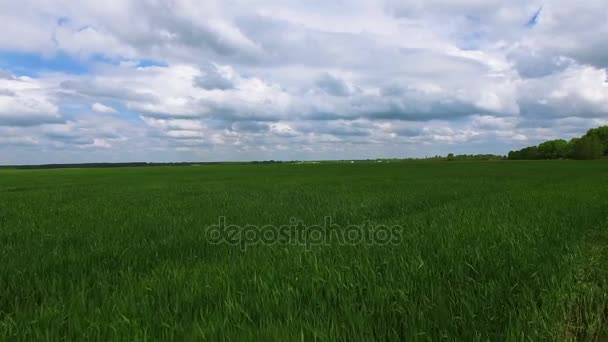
(100, 108)
(215, 78)
(579, 91)
(288, 79)
(6, 75)
(26, 102)
(333, 86)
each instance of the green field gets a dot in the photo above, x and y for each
(487, 251)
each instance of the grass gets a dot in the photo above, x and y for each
(488, 251)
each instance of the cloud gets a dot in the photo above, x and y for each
(292, 79)
(579, 91)
(250, 126)
(6, 75)
(100, 108)
(333, 86)
(102, 89)
(214, 79)
(26, 102)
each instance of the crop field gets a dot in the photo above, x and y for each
(500, 250)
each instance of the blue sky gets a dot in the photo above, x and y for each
(33, 64)
(189, 80)
(535, 18)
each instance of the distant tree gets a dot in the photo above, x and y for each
(530, 153)
(467, 157)
(587, 147)
(601, 133)
(593, 145)
(571, 144)
(553, 149)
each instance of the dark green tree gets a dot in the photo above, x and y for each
(530, 153)
(593, 145)
(600, 133)
(587, 147)
(553, 149)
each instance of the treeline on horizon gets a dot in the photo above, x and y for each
(102, 165)
(468, 157)
(450, 157)
(592, 145)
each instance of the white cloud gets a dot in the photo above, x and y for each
(579, 91)
(325, 79)
(26, 101)
(100, 108)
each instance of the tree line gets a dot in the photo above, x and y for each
(592, 145)
(467, 157)
(102, 165)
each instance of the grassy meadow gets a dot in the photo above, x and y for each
(498, 251)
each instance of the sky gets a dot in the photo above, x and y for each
(207, 80)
